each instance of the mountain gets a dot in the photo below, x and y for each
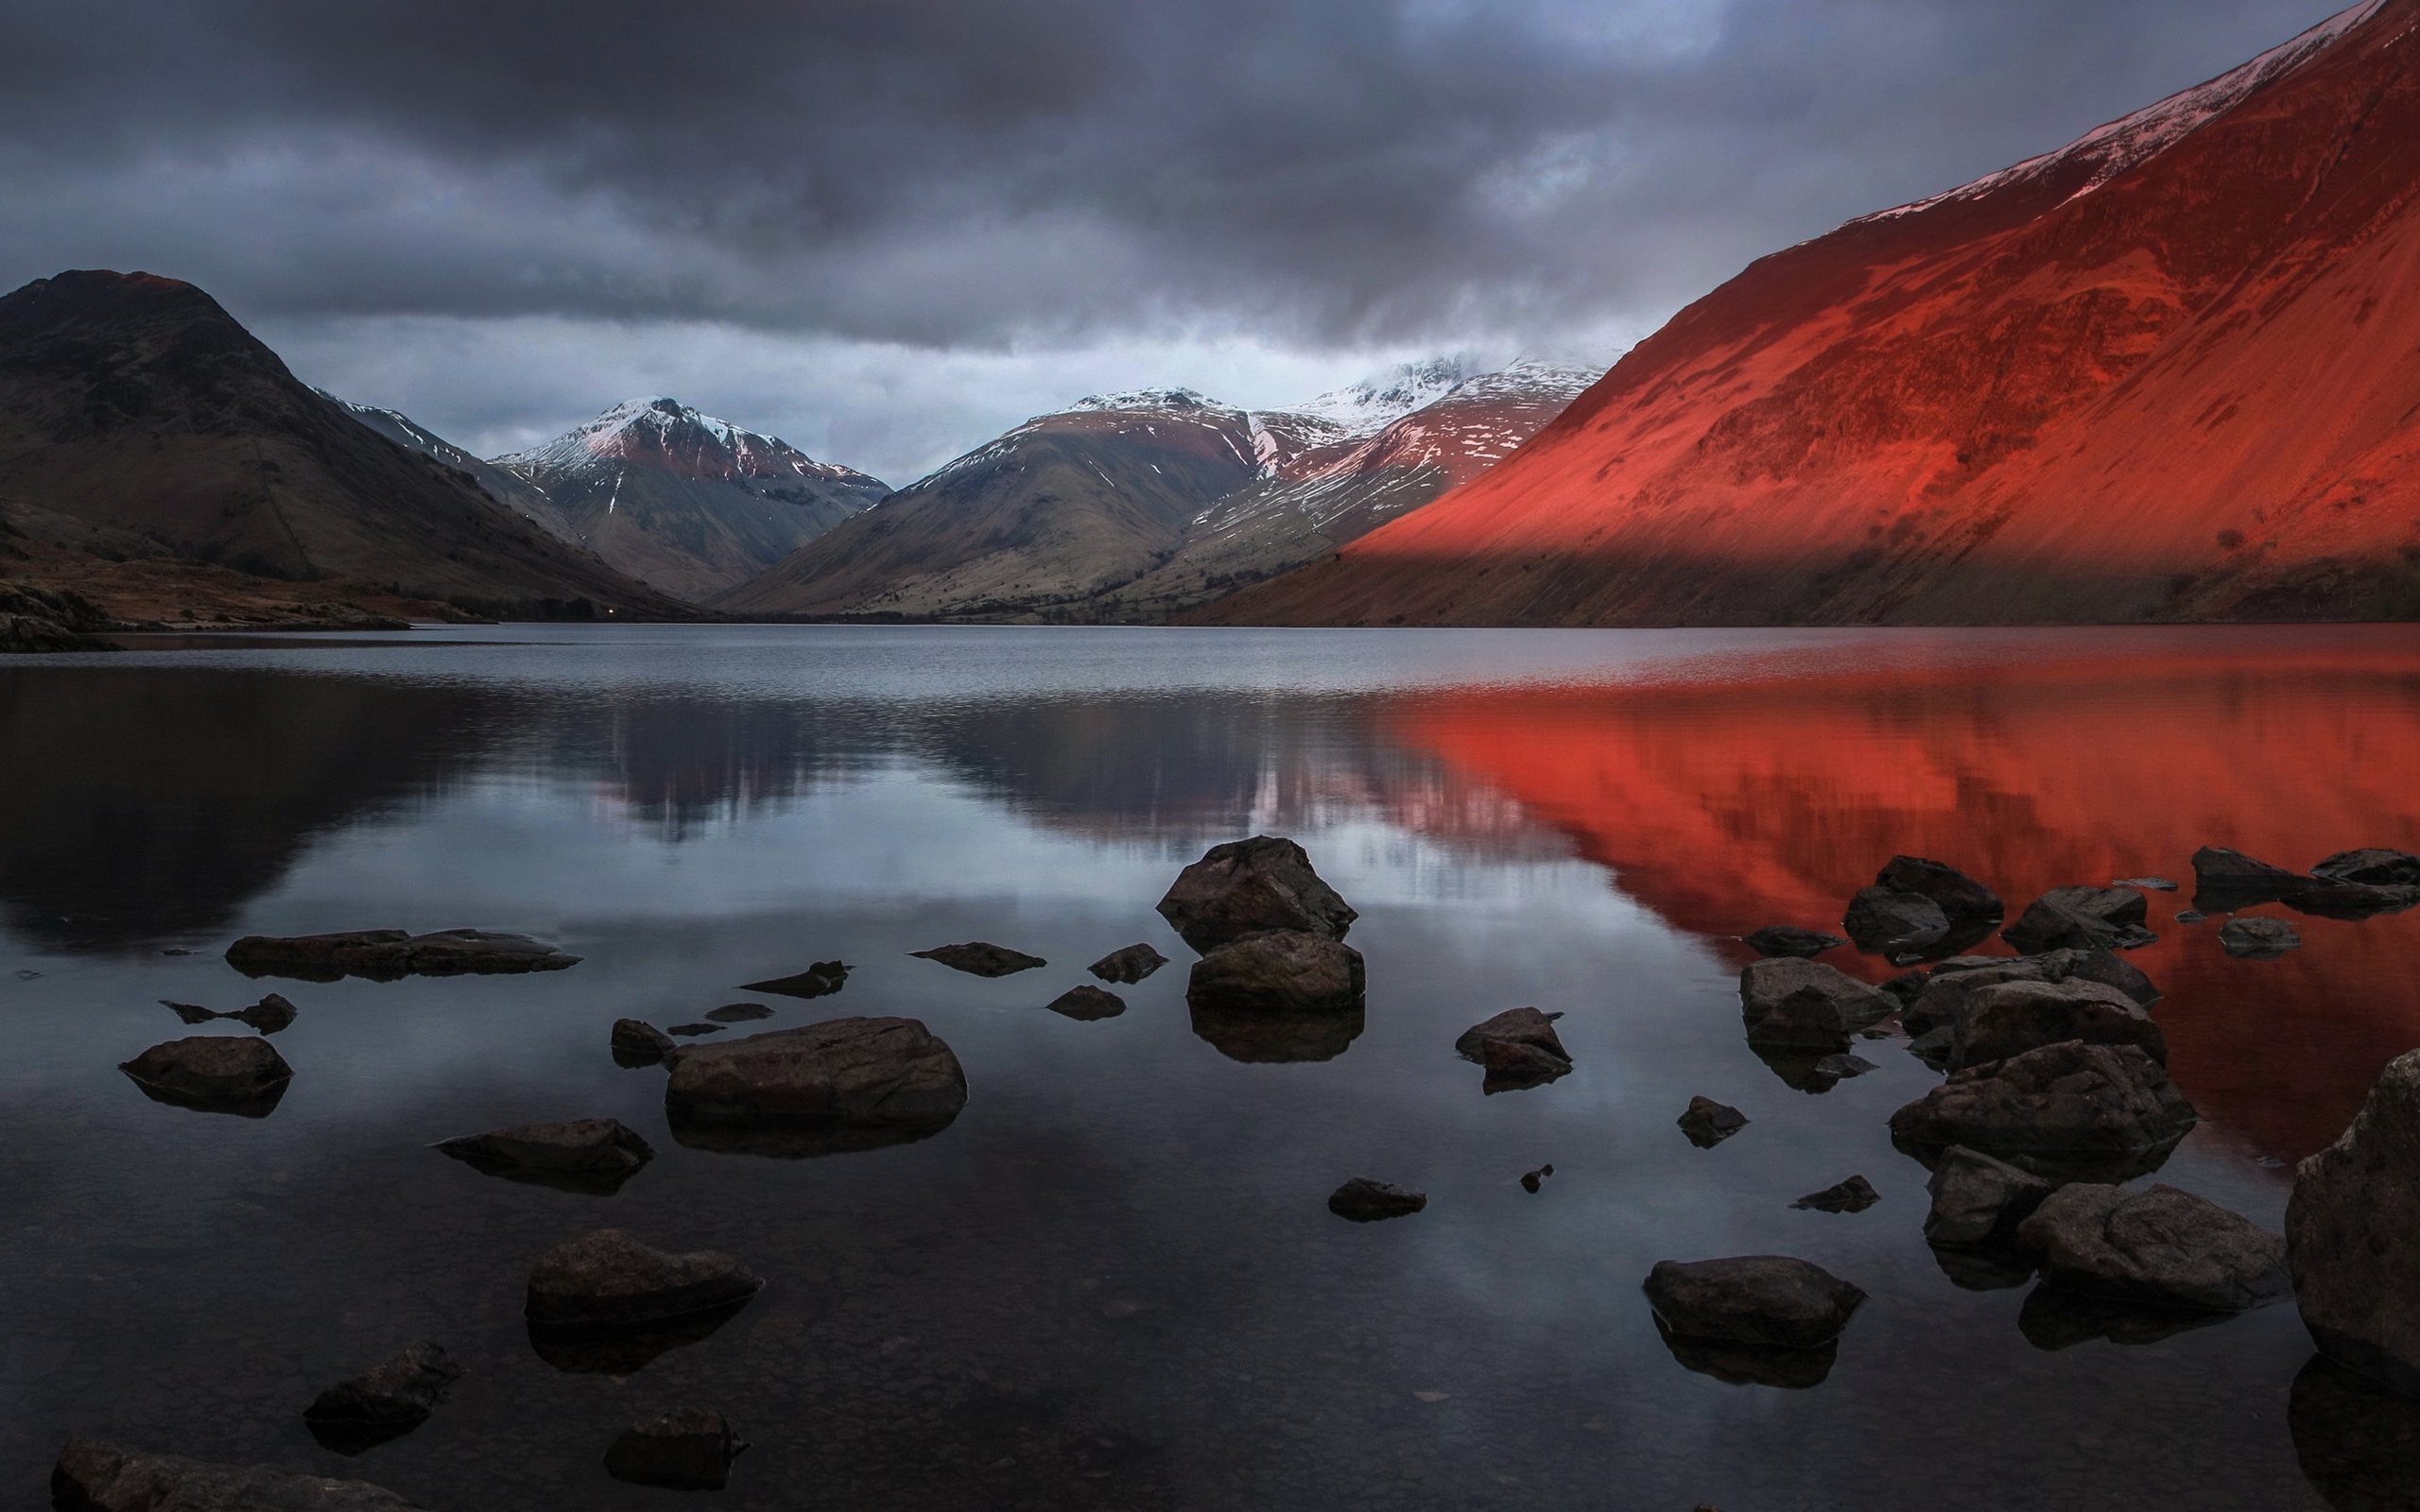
(2171, 371)
(1132, 506)
(1304, 505)
(688, 503)
(136, 407)
(1051, 514)
(509, 489)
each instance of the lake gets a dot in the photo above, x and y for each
(1112, 1281)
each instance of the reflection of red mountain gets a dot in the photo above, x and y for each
(1725, 806)
(2168, 373)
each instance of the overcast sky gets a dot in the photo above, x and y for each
(887, 230)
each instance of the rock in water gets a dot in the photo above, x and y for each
(389, 1402)
(1772, 1301)
(2085, 918)
(214, 1074)
(590, 1155)
(2009, 1018)
(636, 1042)
(1518, 1047)
(269, 1015)
(873, 1073)
(686, 1450)
(1791, 940)
(2162, 1247)
(1883, 921)
(1908, 986)
(1805, 1005)
(609, 1278)
(93, 1475)
(981, 959)
(2375, 866)
(693, 1030)
(1531, 1180)
(1708, 1123)
(2152, 884)
(740, 1013)
(1130, 965)
(1978, 1200)
(1286, 972)
(1366, 1201)
(2351, 900)
(2105, 1111)
(1246, 886)
(1087, 1004)
(386, 954)
(822, 979)
(1959, 897)
(2353, 1235)
(2220, 872)
(2258, 939)
(1854, 1194)
(1843, 1066)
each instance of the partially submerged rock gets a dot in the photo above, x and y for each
(2071, 1109)
(1366, 1201)
(269, 1015)
(740, 1013)
(1518, 1047)
(685, 1450)
(1791, 940)
(214, 1074)
(1772, 1301)
(692, 1031)
(981, 959)
(1978, 1200)
(1805, 1004)
(2086, 919)
(1284, 972)
(94, 1475)
(387, 954)
(2009, 1018)
(637, 1042)
(586, 1154)
(1885, 922)
(608, 1277)
(1087, 1004)
(886, 1075)
(2353, 1235)
(1842, 1066)
(1708, 1123)
(822, 979)
(1246, 886)
(2258, 938)
(2224, 873)
(388, 1403)
(1130, 965)
(1959, 897)
(2373, 865)
(2161, 1247)
(1854, 1194)
(2352, 899)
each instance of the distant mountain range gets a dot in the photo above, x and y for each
(1132, 506)
(2171, 371)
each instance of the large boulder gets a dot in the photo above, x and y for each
(386, 954)
(2085, 918)
(2010, 1017)
(1885, 922)
(1790, 940)
(1246, 886)
(1959, 896)
(94, 1475)
(2161, 1247)
(2353, 1235)
(214, 1072)
(609, 1278)
(1978, 1200)
(1792, 1003)
(1518, 1047)
(684, 1450)
(1772, 1301)
(2071, 1109)
(2371, 866)
(388, 1403)
(587, 1154)
(1283, 972)
(2223, 873)
(861, 1072)
(981, 959)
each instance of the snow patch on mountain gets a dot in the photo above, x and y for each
(661, 428)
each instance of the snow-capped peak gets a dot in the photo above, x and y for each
(662, 427)
(2111, 149)
(1378, 401)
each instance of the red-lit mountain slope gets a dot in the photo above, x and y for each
(2171, 371)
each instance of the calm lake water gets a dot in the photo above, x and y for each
(1113, 1282)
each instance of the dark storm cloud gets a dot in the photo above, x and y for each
(952, 172)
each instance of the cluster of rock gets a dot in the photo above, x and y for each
(1275, 981)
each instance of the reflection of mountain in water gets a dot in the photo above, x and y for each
(1729, 805)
